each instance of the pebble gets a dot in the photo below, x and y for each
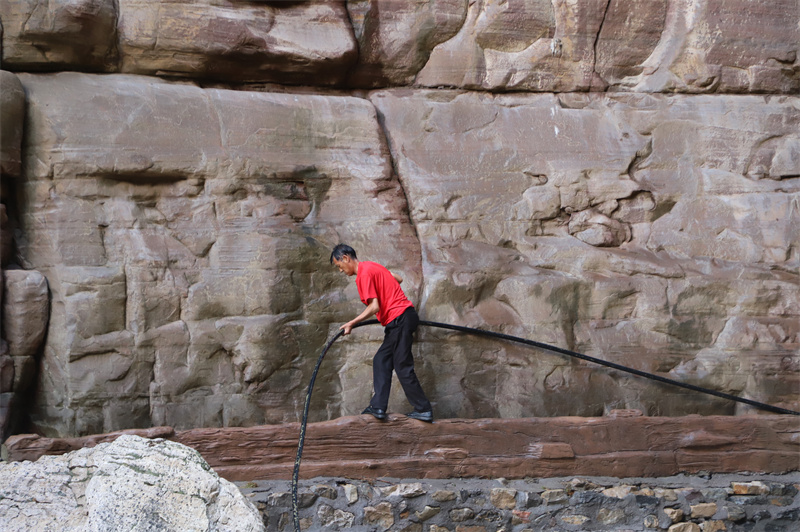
(674, 514)
(618, 492)
(351, 493)
(554, 496)
(750, 488)
(504, 498)
(704, 510)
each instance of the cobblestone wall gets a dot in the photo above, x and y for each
(705, 502)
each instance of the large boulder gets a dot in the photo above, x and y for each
(395, 37)
(537, 46)
(185, 234)
(59, 34)
(130, 484)
(230, 41)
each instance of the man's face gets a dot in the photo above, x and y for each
(347, 266)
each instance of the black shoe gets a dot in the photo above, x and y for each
(422, 416)
(379, 413)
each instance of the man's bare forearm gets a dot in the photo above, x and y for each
(368, 312)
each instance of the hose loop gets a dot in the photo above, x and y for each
(509, 338)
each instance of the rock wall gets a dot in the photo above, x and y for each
(24, 299)
(618, 178)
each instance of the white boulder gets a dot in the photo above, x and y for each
(132, 483)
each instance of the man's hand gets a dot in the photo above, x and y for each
(370, 311)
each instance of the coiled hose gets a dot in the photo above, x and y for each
(509, 338)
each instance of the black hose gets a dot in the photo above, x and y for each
(301, 441)
(652, 376)
(532, 343)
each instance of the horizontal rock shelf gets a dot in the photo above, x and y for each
(361, 447)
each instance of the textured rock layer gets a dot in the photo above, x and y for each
(361, 447)
(694, 46)
(187, 245)
(620, 178)
(587, 221)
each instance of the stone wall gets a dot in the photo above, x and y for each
(618, 178)
(707, 503)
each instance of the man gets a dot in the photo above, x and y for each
(380, 291)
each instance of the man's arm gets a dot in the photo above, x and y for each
(397, 278)
(370, 311)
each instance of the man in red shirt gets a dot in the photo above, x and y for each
(379, 289)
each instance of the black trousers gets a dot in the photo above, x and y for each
(395, 354)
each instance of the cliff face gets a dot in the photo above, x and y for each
(618, 178)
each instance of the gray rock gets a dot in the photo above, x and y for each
(381, 515)
(327, 492)
(459, 515)
(407, 491)
(334, 518)
(556, 496)
(444, 495)
(504, 498)
(24, 309)
(350, 493)
(130, 484)
(428, 512)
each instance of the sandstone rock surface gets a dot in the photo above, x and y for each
(130, 484)
(25, 311)
(360, 447)
(187, 246)
(539, 45)
(395, 37)
(584, 221)
(289, 42)
(695, 46)
(60, 34)
(184, 230)
(12, 104)
(692, 46)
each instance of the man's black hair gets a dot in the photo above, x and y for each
(341, 250)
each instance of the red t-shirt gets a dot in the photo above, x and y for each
(375, 281)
